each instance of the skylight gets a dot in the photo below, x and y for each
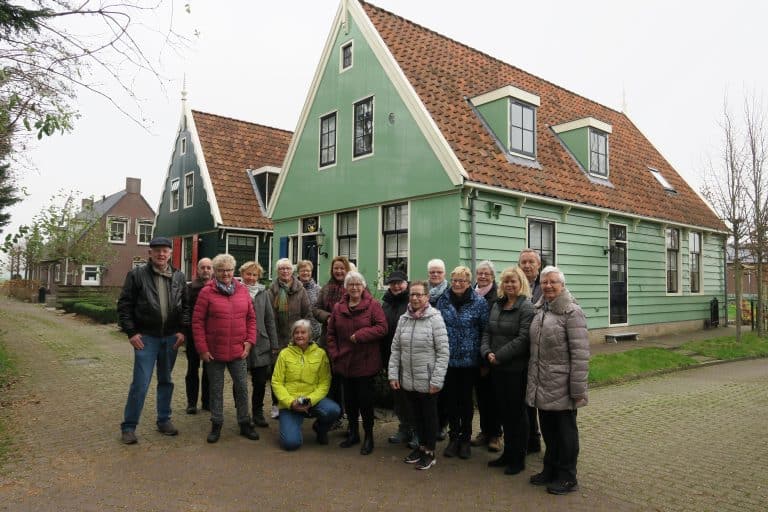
(661, 179)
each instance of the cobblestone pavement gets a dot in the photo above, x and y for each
(694, 440)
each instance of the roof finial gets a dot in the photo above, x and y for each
(184, 88)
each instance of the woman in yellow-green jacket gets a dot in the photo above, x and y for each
(300, 382)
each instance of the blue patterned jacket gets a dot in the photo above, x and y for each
(465, 328)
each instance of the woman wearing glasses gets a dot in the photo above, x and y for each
(224, 327)
(465, 314)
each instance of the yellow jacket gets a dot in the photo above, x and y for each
(301, 373)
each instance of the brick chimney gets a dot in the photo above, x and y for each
(133, 185)
(86, 204)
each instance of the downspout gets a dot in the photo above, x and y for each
(473, 194)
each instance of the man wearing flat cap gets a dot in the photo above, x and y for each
(151, 312)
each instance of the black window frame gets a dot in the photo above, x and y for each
(395, 233)
(596, 155)
(326, 136)
(672, 244)
(694, 254)
(522, 128)
(535, 240)
(346, 235)
(363, 128)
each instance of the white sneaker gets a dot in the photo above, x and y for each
(275, 412)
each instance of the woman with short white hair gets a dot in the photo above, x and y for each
(436, 279)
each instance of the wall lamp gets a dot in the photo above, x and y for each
(320, 242)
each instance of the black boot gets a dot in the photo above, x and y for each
(367, 447)
(215, 433)
(258, 418)
(246, 430)
(500, 462)
(353, 438)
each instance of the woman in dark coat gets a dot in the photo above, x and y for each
(505, 346)
(355, 329)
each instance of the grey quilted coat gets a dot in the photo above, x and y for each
(419, 351)
(559, 363)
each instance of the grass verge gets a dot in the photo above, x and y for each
(610, 368)
(728, 348)
(7, 376)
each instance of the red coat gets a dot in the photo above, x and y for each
(221, 324)
(369, 325)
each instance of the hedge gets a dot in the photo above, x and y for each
(100, 313)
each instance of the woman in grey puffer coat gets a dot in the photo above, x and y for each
(417, 365)
(557, 379)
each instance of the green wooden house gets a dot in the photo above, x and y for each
(217, 190)
(413, 146)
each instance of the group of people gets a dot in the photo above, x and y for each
(520, 346)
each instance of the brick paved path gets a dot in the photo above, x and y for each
(694, 440)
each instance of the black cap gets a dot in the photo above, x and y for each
(396, 276)
(160, 241)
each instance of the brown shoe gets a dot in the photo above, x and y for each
(129, 437)
(480, 440)
(167, 428)
(495, 444)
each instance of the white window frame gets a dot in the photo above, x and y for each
(141, 223)
(189, 192)
(320, 164)
(117, 220)
(542, 220)
(348, 44)
(183, 144)
(678, 262)
(700, 279)
(337, 246)
(91, 282)
(370, 153)
(380, 235)
(524, 105)
(174, 195)
(592, 172)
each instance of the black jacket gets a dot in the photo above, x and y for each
(394, 306)
(138, 308)
(507, 335)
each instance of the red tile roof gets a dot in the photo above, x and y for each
(446, 73)
(230, 148)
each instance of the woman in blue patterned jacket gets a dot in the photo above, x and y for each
(465, 314)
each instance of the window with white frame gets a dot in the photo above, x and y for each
(328, 139)
(174, 195)
(395, 236)
(57, 272)
(363, 142)
(673, 266)
(346, 56)
(91, 275)
(144, 231)
(541, 238)
(138, 262)
(183, 144)
(522, 128)
(189, 189)
(598, 153)
(118, 230)
(346, 235)
(694, 253)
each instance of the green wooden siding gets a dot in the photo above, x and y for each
(496, 115)
(577, 142)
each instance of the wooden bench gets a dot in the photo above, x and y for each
(615, 337)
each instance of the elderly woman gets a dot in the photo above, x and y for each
(557, 379)
(355, 329)
(304, 270)
(301, 380)
(289, 303)
(417, 368)
(505, 346)
(437, 282)
(487, 407)
(465, 314)
(260, 356)
(224, 326)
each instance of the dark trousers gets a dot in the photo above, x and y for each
(423, 410)
(487, 406)
(403, 411)
(192, 378)
(259, 377)
(336, 391)
(459, 383)
(561, 435)
(359, 395)
(510, 393)
(534, 435)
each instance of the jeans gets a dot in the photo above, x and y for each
(238, 370)
(157, 349)
(326, 411)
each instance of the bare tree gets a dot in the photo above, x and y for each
(725, 190)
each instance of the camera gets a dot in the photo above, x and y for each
(302, 401)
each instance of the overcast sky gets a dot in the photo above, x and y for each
(669, 65)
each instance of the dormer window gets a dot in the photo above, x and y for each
(510, 114)
(598, 153)
(263, 181)
(522, 128)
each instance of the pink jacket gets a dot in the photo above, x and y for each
(221, 324)
(369, 325)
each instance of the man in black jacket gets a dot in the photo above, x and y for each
(192, 379)
(152, 311)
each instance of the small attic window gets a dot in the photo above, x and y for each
(510, 114)
(662, 180)
(183, 145)
(598, 153)
(346, 56)
(522, 128)
(265, 179)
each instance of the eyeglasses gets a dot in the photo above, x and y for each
(458, 281)
(356, 285)
(418, 294)
(226, 270)
(547, 283)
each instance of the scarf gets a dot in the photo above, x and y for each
(334, 293)
(485, 289)
(226, 289)
(437, 291)
(418, 313)
(162, 289)
(281, 303)
(254, 289)
(459, 300)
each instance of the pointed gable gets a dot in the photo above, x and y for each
(445, 74)
(231, 148)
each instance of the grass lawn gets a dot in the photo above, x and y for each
(728, 348)
(608, 368)
(7, 373)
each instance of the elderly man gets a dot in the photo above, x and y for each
(192, 379)
(151, 310)
(530, 263)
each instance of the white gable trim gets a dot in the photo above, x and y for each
(453, 168)
(210, 194)
(504, 92)
(581, 123)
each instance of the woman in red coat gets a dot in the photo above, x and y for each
(224, 328)
(355, 329)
